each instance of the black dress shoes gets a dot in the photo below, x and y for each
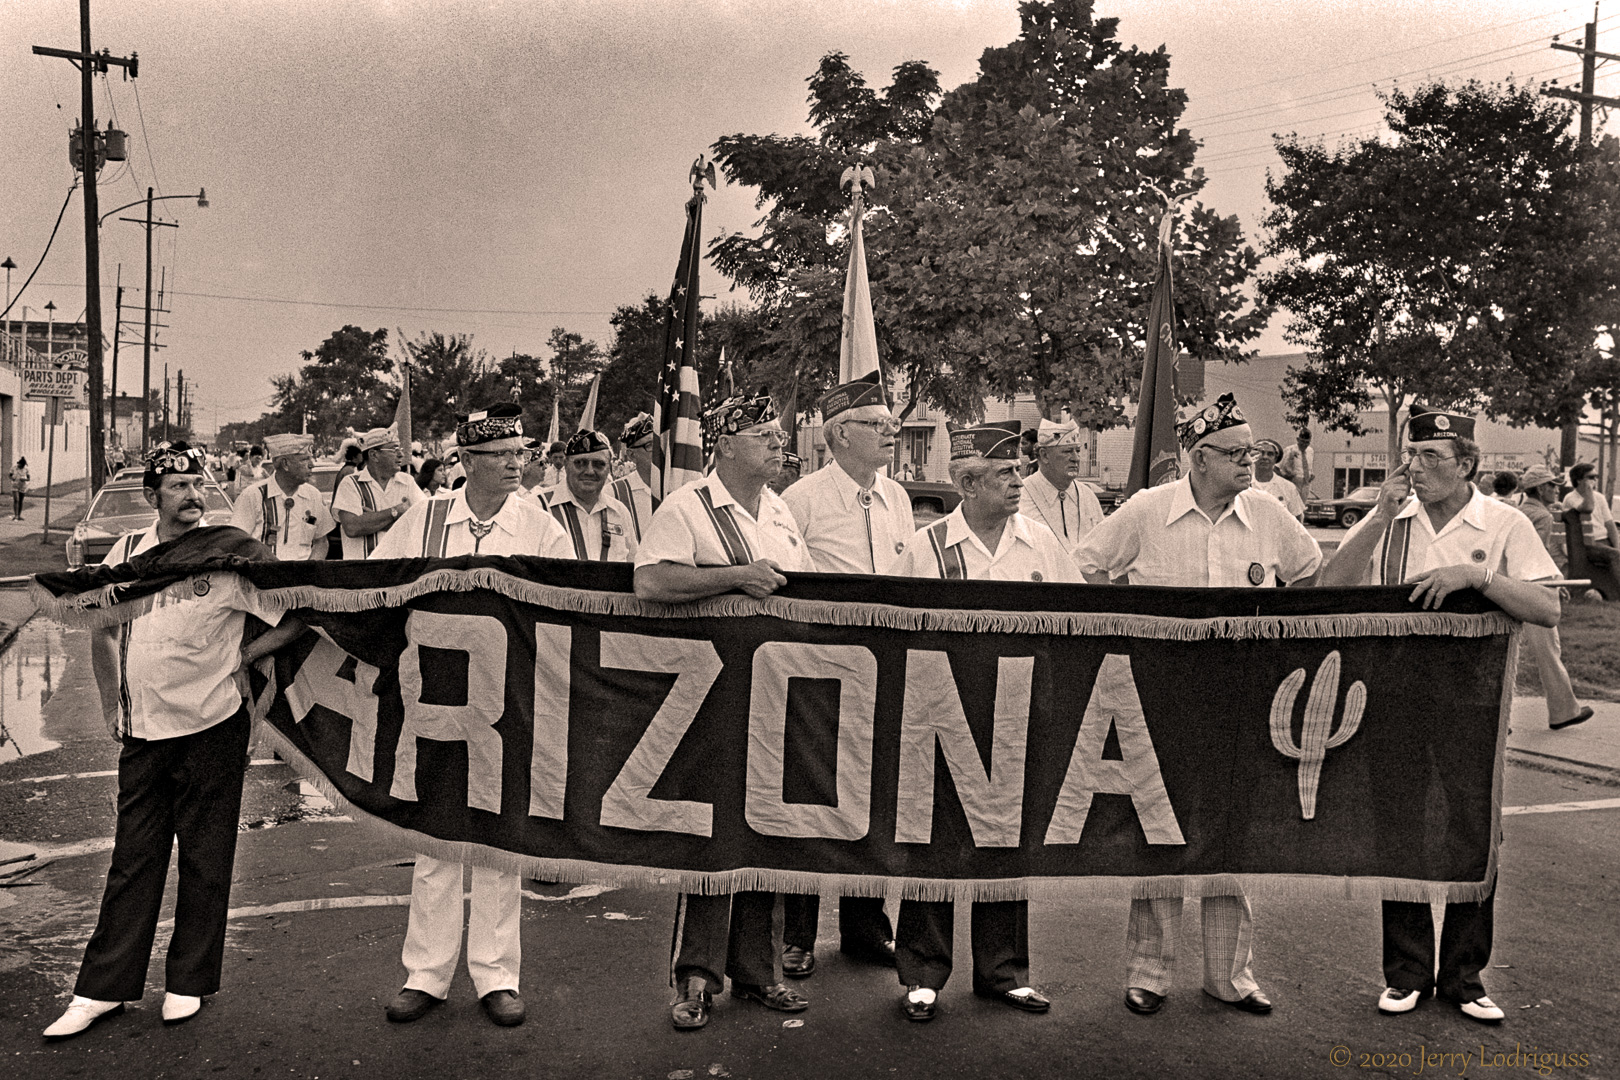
(798, 963)
(410, 1005)
(1579, 718)
(503, 1007)
(691, 1009)
(1143, 1001)
(881, 952)
(1031, 1002)
(780, 997)
(917, 1011)
(1252, 1002)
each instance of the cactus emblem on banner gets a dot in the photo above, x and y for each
(1316, 736)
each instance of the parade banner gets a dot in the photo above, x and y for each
(880, 736)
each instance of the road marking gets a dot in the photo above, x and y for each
(1563, 807)
(338, 903)
(259, 762)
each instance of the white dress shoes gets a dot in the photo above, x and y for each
(1482, 1009)
(178, 1008)
(81, 1013)
(1398, 1001)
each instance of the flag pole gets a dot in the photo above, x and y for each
(857, 345)
(1155, 456)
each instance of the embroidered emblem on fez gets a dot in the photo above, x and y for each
(1198, 426)
(1443, 422)
(1257, 574)
(1035, 575)
(1478, 555)
(200, 586)
(1211, 413)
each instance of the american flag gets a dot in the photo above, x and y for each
(679, 459)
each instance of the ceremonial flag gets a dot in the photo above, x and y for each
(402, 412)
(587, 416)
(678, 459)
(731, 377)
(555, 433)
(1154, 454)
(857, 348)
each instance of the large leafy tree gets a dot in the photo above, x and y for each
(449, 378)
(1011, 237)
(343, 383)
(1461, 262)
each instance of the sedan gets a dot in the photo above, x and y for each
(1353, 507)
(121, 507)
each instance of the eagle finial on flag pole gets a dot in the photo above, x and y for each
(857, 346)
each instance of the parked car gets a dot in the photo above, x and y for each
(931, 499)
(1352, 508)
(325, 477)
(120, 507)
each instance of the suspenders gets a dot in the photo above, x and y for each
(272, 525)
(1392, 557)
(368, 503)
(623, 492)
(434, 534)
(952, 566)
(732, 541)
(567, 514)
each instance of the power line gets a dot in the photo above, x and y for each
(150, 160)
(44, 253)
(364, 307)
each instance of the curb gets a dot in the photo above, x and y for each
(1584, 770)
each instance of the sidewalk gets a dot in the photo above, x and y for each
(1591, 749)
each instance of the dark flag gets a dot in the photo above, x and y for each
(679, 457)
(1154, 453)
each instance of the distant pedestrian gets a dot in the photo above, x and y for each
(1505, 488)
(19, 487)
(431, 477)
(1299, 464)
(1597, 520)
(1541, 642)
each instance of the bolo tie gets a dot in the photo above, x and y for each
(286, 518)
(865, 499)
(1062, 513)
(479, 530)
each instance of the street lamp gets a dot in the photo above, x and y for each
(50, 329)
(9, 266)
(146, 348)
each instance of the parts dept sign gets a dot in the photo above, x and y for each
(65, 375)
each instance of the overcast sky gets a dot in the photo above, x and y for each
(521, 165)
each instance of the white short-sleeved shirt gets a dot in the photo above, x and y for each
(1595, 522)
(1160, 537)
(1284, 491)
(693, 531)
(352, 495)
(1027, 551)
(176, 662)
(844, 536)
(521, 528)
(295, 529)
(586, 528)
(1485, 532)
(1071, 519)
(633, 491)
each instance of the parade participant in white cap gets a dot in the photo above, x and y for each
(486, 516)
(171, 684)
(369, 500)
(1432, 527)
(285, 512)
(598, 526)
(1053, 495)
(854, 520)
(632, 490)
(984, 538)
(1211, 528)
(1267, 480)
(1540, 489)
(725, 533)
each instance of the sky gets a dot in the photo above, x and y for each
(504, 167)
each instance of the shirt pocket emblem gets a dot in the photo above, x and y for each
(1478, 555)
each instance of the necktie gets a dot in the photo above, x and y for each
(865, 499)
(1063, 513)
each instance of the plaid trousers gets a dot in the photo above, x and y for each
(1155, 927)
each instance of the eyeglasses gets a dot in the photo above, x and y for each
(1237, 455)
(1428, 458)
(503, 455)
(886, 426)
(776, 439)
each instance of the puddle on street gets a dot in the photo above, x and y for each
(30, 668)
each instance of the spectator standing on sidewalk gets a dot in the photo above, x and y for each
(19, 487)
(1540, 491)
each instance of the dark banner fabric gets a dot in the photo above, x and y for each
(884, 736)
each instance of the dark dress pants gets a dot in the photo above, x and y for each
(863, 925)
(737, 935)
(191, 788)
(1000, 934)
(1465, 947)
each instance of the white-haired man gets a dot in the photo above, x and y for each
(984, 538)
(284, 511)
(485, 516)
(1210, 528)
(369, 500)
(854, 520)
(1053, 494)
(1433, 528)
(727, 532)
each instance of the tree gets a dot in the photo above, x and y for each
(342, 384)
(1011, 240)
(1459, 263)
(449, 378)
(574, 363)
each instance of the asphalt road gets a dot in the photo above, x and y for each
(313, 956)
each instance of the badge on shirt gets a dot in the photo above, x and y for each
(899, 546)
(1035, 575)
(613, 530)
(1478, 555)
(200, 586)
(1257, 574)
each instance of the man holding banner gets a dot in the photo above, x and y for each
(724, 533)
(484, 517)
(598, 525)
(986, 538)
(1432, 527)
(1211, 528)
(854, 520)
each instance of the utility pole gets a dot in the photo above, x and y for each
(118, 333)
(89, 63)
(1569, 443)
(165, 402)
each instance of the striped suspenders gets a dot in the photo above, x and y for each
(434, 533)
(622, 492)
(1392, 557)
(268, 532)
(732, 541)
(567, 514)
(952, 566)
